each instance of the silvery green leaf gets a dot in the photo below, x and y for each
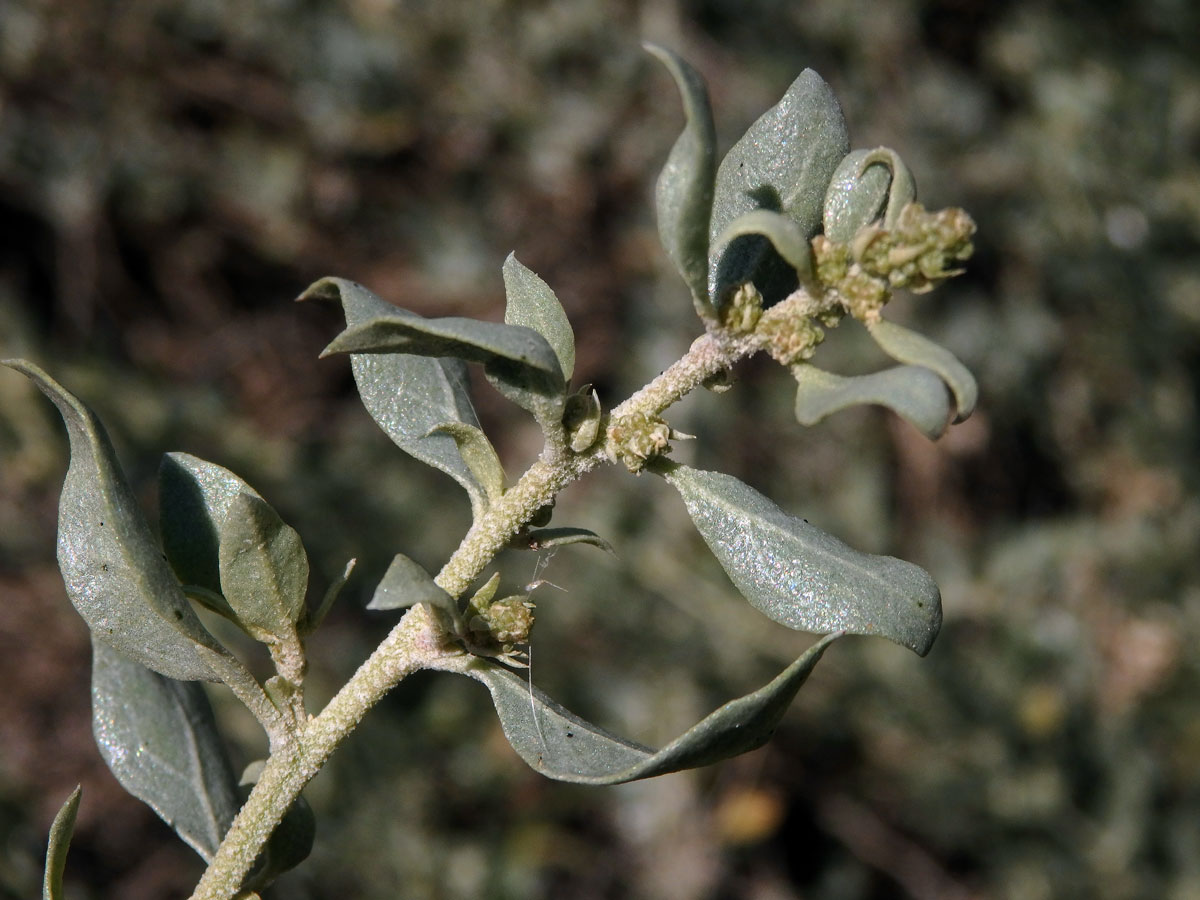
(912, 392)
(310, 622)
(408, 396)
(802, 577)
(906, 346)
(684, 191)
(61, 830)
(406, 584)
(159, 738)
(194, 497)
(545, 538)
(783, 163)
(531, 302)
(516, 360)
(784, 234)
(264, 569)
(867, 186)
(479, 455)
(582, 417)
(562, 746)
(112, 566)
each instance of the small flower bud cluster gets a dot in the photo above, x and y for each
(634, 439)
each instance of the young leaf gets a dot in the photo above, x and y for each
(406, 584)
(545, 538)
(479, 455)
(907, 346)
(517, 360)
(531, 302)
(408, 396)
(868, 185)
(562, 746)
(912, 392)
(159, 738)
(264, 569)
(194, 497)
(783, 162)
(684, 191)
(61, 830)
(783, 233)
(114, 572)
(802, 577)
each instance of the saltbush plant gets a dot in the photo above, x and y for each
(789, 235)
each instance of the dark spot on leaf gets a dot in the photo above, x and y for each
(178, 615)
(570, 735)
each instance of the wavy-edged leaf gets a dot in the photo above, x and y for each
(784, 163)
(684, 191)
(408, 396)
(160, 739)
(479, 455)
(545, 538)
(405, 584)
(906, 346)
(264, 569)
(112, 566)
(532, 303)
(912, 392)
(516, 360)
(802, 577)
(61, 830)
(784, 234)
(559, 744)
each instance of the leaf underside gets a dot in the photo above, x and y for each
(531, 303)
(159, 738)
(914, 393)
(907, 346)
(802, 577)
(554, 741)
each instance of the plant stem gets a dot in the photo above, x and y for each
(417, 641)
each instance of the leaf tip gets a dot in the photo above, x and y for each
(323, 289)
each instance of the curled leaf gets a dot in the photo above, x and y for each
(581, 418)
(906, 346)
(912, 392)
(408, 396)
(61, 830)
(112, 566)
(531, 302)
(868, 185)
(783, 233)
(559, 744)
(684, 191)
(802, 577)
(160, 739)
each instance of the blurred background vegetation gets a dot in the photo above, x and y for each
(173, 172)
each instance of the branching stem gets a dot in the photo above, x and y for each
(418, 640)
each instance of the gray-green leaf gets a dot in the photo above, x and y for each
(562, 746)
(531, 302)
(159, 738)
(545, 538)
(783, 233)
(912, 392)
(684, 191)
(516, 360)
(479, 455)
(784, 163)
(114, 571)
(802, 577)
(264, 569)
(408, 396)
(868, 185)
(906, 346)
(406, 584)
(61, 830)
